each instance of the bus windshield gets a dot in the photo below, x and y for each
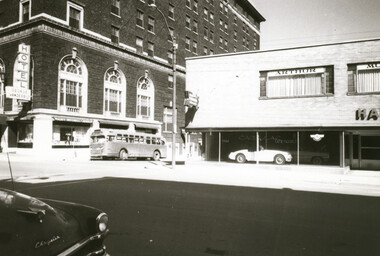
(98, 139)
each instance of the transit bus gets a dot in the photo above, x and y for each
(121, 144)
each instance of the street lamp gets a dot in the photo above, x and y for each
(174, 84)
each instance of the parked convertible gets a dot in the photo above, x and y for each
(31, 226)
(264, 155)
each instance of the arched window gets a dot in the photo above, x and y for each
(145, 98)
(114, 92)
(72, 85)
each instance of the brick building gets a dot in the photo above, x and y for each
(320, 103)
(74, 66)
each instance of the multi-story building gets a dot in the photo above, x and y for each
(69, 67)
(319, 103)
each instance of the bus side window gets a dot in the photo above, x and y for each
(118, 137)
(141, 139)
(137, 139)
(162, 142)
(154, 141)
(125, 138)
(148, 140)
(111, 138)
(130, 138)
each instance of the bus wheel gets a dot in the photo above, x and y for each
(123, 155)
(156, 155)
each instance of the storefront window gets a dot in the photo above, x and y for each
(66, 135)
(25, 133)
(319, 148)
(306, 147)
(370, 146)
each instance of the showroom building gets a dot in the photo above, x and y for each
(320, 103)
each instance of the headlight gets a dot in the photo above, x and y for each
(102, 221)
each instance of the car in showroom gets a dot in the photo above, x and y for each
(31, 226)
(263, 155)
(311, 157)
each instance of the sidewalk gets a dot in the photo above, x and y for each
(306, 178)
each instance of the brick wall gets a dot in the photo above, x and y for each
(48, 51)
(230, 92)
(98, 19)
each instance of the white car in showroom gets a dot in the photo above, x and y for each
(264, 155)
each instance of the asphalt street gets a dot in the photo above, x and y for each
(175, 218)
(214, 209)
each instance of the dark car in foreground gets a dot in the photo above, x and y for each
(31, 226)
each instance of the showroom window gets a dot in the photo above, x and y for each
(298, 82)
(145, 98)
(370, 147)
(72, 85)
(363, 78)
(114, 93)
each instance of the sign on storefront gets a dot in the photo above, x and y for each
(317, 137)
(368, 66)
(363, 114)
(296, 71)
(17, 93)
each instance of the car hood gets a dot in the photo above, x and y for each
(30, 226)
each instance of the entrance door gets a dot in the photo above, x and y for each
(363, 151)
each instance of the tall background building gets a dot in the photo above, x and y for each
(69, 67)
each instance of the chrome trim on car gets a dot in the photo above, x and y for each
(101, 252)
(82, 243)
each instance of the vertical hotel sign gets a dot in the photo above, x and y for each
(20, 89)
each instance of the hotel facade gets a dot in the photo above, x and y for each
(70, 67)
(320, 103)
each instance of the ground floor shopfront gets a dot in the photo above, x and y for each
(357, 148)
(56, 134)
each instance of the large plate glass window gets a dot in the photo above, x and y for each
(298, 82)
(68, 134)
